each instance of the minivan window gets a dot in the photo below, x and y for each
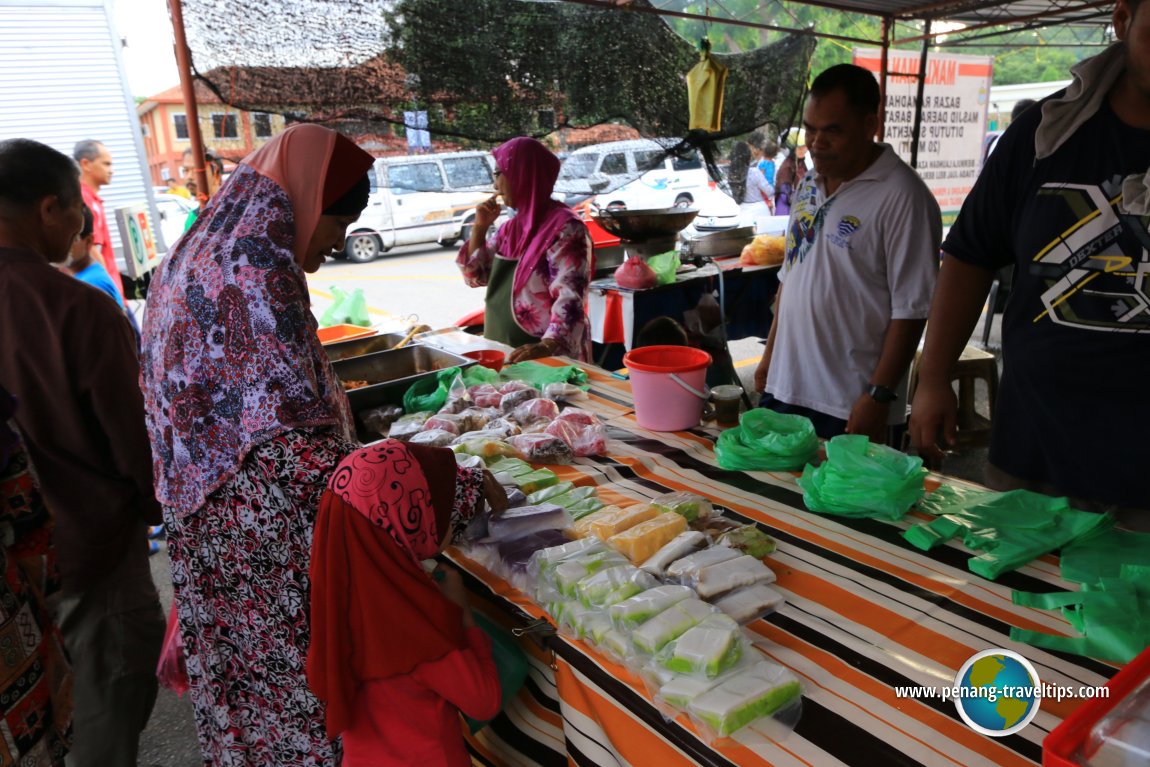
(578, 166)
(414, 177)
(690, 162)
(467, 171)
(649, 159)
(614, 164)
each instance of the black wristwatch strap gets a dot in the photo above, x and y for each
(882, 394)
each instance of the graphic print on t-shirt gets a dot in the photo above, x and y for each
(806, 219)
(1090, 282)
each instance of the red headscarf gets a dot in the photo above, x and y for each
(375, 613)
(531, 170)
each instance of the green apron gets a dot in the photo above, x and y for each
(499, 320)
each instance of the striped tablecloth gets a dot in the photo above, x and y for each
(866, 613)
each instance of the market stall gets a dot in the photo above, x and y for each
(865, 614)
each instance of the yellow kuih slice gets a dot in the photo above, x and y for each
(623, 519)
(640, 542)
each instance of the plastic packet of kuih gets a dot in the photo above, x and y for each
(614, 584)
(567, 575)
(680, 546)
(656, 632)
(762, 703)
(726, 576)
(750, 603)
(686, 569)
(708, 649)
(687, 505)
(636, 610)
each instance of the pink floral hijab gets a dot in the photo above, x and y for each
(230, 355)
(531, 170)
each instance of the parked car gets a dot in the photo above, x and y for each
(420, 199)
(613, 174)
(174, 212)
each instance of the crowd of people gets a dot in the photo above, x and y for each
(312, 633)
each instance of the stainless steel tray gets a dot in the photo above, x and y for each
(725, 243)
(358, 347)
(390, 373)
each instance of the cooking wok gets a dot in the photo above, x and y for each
(640, 225)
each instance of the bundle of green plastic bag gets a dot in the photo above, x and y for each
(861, 479)
(539, 375)
(346, 309)
(1010, 529)
(1112, 611)
(429, 394)
(767, 441)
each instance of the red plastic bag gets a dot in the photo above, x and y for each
(634, 273)
(172, 671)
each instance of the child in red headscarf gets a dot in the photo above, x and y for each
(395, 654)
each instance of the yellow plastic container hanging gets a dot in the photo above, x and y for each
(705, 84)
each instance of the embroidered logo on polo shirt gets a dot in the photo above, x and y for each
(847, 226)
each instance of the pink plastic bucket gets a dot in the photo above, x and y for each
(669, 386)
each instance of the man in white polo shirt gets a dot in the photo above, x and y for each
(861, 261)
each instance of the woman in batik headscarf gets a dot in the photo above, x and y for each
(537, 266)
(35, 677)
(395, 653)
(247, 421)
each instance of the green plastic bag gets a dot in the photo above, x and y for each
(767, 441)
(346, 309)
(478, 374)
(1113, 616)
(510, 664)
(1094, 557)
(1010, 529)
(539, 375)
(429, 393)
(665, 265)
(861, 479)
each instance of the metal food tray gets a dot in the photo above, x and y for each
(358, 347)
(392, 372)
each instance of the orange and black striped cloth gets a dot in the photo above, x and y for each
(866, 613)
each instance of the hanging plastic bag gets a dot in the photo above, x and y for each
(665, 265)
(767, 441)
(705, 84)
(510, 665)
(635, 274)
(172, 670)
(861, 479)
(1010, 529)
(429, 393)
(346, 309)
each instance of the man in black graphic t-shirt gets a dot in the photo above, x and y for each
(1073, 412)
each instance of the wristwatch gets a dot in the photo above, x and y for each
(882, 394)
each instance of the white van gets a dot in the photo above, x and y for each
(420, 199)
(592, 170)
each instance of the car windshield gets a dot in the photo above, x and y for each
(416, 177)
(578, 166)
(467, 171)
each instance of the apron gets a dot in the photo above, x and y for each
(499, 320)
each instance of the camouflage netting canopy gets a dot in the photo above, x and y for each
(482, 71)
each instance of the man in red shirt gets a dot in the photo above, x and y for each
(95, 163)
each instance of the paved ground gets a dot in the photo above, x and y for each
(420, 284)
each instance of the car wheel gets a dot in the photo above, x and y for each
(448, 243)
(362, 248)
(684, 201)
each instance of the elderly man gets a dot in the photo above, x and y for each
(68, 355)
(95, 163)
(856, 282)
(1064, 201)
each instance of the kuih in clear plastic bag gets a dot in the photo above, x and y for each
(606, 525)
(687, 569)
(687, 505)
(726, 576)
(407, 426)
(748, 539)
(433, 438)
(762, 691)
(638, 543)
(583, 440)
(613, 584)
(656, 632)
(750, 603)
(523, 520)
(640, 608)
(709, 648)
(680, 546)
(567, 574)
(541, 448)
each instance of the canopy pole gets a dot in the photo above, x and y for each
(918, 100)
(184, 64)
(883, 71)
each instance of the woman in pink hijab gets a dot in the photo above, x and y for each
(247, 422)
(537, 266)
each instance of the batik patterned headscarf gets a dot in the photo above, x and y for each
(531, 171)
(230, 355)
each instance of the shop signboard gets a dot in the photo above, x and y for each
(954, 113)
